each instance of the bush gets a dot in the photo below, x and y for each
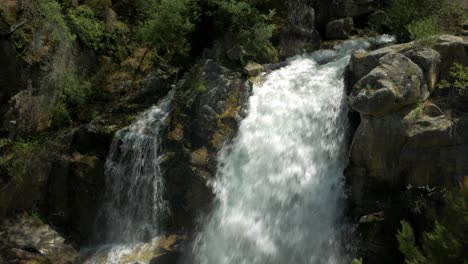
(76, 92)
(446, 242)
(61, 118)
(252, 29)
(168, 25)
(458, 80)
(90, 30)
(402, 13)
(52, 10)
(99, 5)
(423, 31)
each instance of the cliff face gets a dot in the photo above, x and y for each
(53, 150)
(410, 134)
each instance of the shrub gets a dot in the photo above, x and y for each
(252, 29)
(458, 80)
(446, 241)
(52, 10)
(402, 13)
(168, 25)
(61, 118)
(423, 31)
(76, 92)
(99, 5)
(90, 30)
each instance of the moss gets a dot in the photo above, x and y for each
(23, 37)
(199, 157)
(89, 29)
(8, 12)
(177, 133)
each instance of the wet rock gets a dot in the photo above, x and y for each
(26, 240)
(76, 180)
(340, 28)
(167, 258)
(207, 108)
(253, 69)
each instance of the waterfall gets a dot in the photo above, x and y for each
(279, 184)
(133, 202)
(133, 205)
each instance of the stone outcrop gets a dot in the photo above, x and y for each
(206, 111)
(340, 28)
(28, 240)
(300, 34)
(409, 135)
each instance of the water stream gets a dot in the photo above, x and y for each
(133, 206)
(279, 188)
(279, 185)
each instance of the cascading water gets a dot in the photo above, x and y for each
(133, 204)
(279, 183)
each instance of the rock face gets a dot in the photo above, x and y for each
(340, 28)
(76, 181)
(300, 34)
(406, 135)
(27, 240)
(206, 113)
(395, 83)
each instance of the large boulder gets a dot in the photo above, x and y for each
(362, 62)
(403, 139)
(452, 50)
(396, 82)
(28, 240)
(429, 61)
(207, 109)
(299, 35)
(76, 180)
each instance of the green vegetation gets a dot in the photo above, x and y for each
(423, 31)
(61, 117)
(458, 80)
(446, 241)
(76, 92)
(89, 29)
(250, 28)
(52, 11)
(18, 164)
(420, 14)
(168, 25)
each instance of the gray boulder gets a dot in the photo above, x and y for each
(362, 62)
(299, 35)
(429, 61)
(395, 83)
(452, 50)
(28, 240)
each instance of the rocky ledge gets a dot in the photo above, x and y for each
(410, 134)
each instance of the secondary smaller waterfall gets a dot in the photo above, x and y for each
(133, 207)
(133, 203)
